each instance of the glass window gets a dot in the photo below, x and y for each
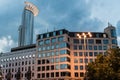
(47, 41)
(61, 32)
(63, 52)
(81, 60)
(76, 41)
(91, 60)
(43, 55)
(95, 47)
(39, 55)
(52, 53)
(75, 60)
(63, 45)
(75, 47)
(80, 54)
(98, 41)
(54, 33)
(104, 47)
(52, 60)
(81, 67)
(114, 41)
(75, 67)
(90, 54)
(100, 47)
(56, 66)
(63, 66)
(61, 38)
(80, 47)
(82, 41)
(52, 47)
(76, 74)
(40, 42)
(63, 59)
(39, 49)
(52, 74)
(86, 53)
(75, 54)
(81, 74)
(56, 59)
(57, 53)
(48, 47)
(113, 33)
(53, 40)
(48, 54)
(90, 47)
(86, 60)
(48, 35)
(95, 53)
(90, 41)
(105, 41)
(57, 46)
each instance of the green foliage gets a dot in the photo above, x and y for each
(105, 67)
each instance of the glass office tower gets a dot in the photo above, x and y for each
(26, 27)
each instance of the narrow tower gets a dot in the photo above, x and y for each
(27, 25)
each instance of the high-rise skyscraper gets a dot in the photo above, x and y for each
(26, 27)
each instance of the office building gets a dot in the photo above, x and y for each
(27, 25)
(62, 55)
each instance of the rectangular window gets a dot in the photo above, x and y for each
(63, 59)
(104, 47)
(53, 40)
(76, 74)
(90, 41)
(80, 47)
(100, 47)
(40, 42)
(86, 60)
(86, 53)
(80, 54)
(47, 41)
(91, 60)
(81, 60)
(75, 67)
(52, 74)
(95, 53)
(114, 41)
(61, 38)
(75, 60)
(90, 54)
(57, 74)
(81, 74)
(57, 67)
(90, 47)
(98, 41)
(95, 47)
(81, 67)
(63, 45)
(105, 41)
(76, 41)
(75, 47)
(75, 54)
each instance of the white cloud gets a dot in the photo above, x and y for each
(6, 43)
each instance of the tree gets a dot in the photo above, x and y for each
(105, 67)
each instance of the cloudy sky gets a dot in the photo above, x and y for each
(74, 15)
